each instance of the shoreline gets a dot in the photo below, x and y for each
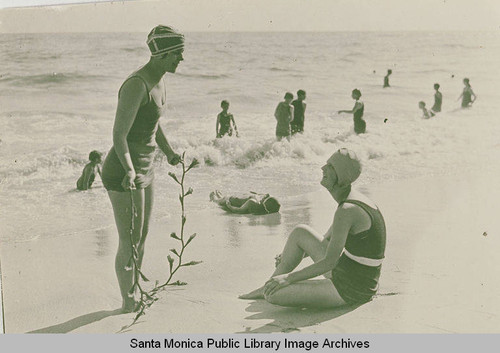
(430, 283)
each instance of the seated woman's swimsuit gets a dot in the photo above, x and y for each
(357, 272)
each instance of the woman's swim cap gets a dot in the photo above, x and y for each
(163, 40)
(347, 166)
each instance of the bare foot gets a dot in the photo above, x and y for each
(256, 294)
(130, 306)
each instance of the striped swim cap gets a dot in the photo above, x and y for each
(347, 166)
(163, 40)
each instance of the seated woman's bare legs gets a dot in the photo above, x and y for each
(302, 240)
(308, 294)
(122, 209)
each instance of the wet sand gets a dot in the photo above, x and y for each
(438, 275)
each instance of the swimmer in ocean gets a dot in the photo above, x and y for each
(438, 100)
(357, 111)
(284, 115)
(89, 171)
(386, 78)
(299, 109)
(224, 120)
(468, 96)
(426, 113)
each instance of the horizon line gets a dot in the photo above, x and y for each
(275, 31)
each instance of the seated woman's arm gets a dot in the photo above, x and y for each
(342, 223)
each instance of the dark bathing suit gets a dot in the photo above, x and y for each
(283, 122)
(386, 81)
(466, 98)
(359, 123)
(142, 146)
(225, 124)
(297, 123)
(438, 99)
(255, 208)
(355, 282)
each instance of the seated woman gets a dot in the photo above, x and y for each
(254, 203)
(349, 255)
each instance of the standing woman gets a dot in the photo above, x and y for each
(349, 255)
(284, 116)
(127, 173)
(357, 111)
(467, 95)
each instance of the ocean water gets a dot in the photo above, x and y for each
(58, 95)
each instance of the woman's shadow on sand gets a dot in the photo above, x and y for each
(79, 321)
(291, 319)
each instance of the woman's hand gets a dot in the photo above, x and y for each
(173, 158)
(128, 182)
(276, 283)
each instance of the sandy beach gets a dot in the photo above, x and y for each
(437, 276)
(1, 302)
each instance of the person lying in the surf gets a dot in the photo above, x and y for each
(89, 171)
(257, 204)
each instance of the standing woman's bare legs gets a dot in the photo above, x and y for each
(122, 209)
(148, 208)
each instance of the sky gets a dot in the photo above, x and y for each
(34, 16)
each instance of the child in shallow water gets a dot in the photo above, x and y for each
(89, 171)
(224, 120)
(427, 114)
(254, 203)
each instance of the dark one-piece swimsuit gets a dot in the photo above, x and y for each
(356, 282)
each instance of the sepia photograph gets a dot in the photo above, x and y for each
(249, 167)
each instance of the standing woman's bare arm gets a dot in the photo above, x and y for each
(132, 95)
(172, 157)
